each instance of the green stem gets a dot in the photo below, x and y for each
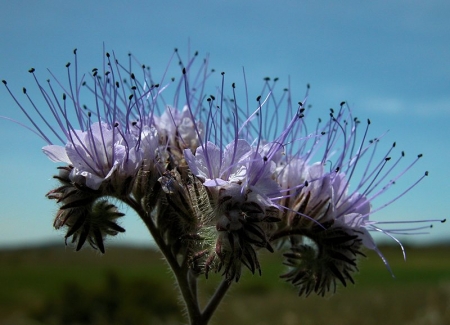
(186, 279)
(192, 281)
(215, 301)
(181, 273)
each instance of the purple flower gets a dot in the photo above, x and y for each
(178, 128)
(98, 154)
(215, 181)
(324, 223)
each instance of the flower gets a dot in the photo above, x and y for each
(216, 182)
(326, 224)
(178, 129)
(97, 155)
(325, 238)
(238, 180)
(103, 147)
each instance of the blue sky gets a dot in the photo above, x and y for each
(388, 59)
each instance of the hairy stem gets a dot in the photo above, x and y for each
(181, 273)
(192, 281)
(215, 300)
(186, 279)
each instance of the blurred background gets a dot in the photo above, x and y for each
(388, 59)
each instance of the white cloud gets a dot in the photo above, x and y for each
(395, 106)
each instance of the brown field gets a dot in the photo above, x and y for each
(54, 285)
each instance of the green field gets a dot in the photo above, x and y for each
(54, 285)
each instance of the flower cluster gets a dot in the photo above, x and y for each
(214, 181)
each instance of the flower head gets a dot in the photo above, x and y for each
(325, 224)
(216, 182)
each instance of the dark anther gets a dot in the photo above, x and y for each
(265, 158)
(308, 86)
(31, 70)
(342, 104)
(116, 124)
(266, 78)
(443, 220)
(184, 70)
(222, 73)
(233, 85)
(306, 183)
(394, 144)
(64, 96)
(403, 154)
(133, 88)
(337, 170)
(74, 51)
(89, 114)
(258, 98)
(196, 53)
(4, 82)
(275, 79)
(107, 55)
(212, 97)
(368, 121)
(156, 85)
(323, 132)
(130, 97)
(132, 76)
(117, 84)
(67, 64)
(175, 49)
(426, 173)
(24, 90)
(419, 155)
(387, 158)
